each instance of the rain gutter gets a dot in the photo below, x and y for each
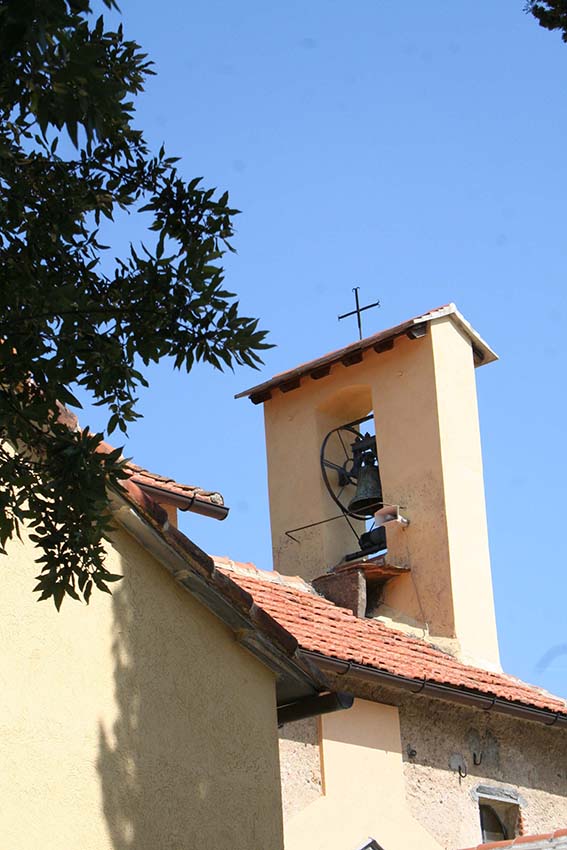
(433, 689)
(186, 503)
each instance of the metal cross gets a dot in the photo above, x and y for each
(358, 310)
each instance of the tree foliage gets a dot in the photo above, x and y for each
(551, 14)
(67, 318)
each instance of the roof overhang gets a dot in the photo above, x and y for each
(300, 673)
(195, 571)
(353, 675)
(183, 502)
(380, 342)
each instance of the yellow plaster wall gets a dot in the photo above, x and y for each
(424, 399)
(364, 787)
(473, 602)
(136, 723)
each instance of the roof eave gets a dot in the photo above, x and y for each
(354, 672)
(382, 341)
(194, 503)
(195, 572)
(483, 352)
(556, 840)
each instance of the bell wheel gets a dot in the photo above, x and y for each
(339, 469)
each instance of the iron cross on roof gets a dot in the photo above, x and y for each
(358, 310)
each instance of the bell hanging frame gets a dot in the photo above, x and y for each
(345, 472)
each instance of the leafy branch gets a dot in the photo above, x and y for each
(69, 83)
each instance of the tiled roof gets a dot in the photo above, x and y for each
(143, 477)
(272, 577)
(290, 613)
(548, 841)
(322, 627)
(352, 354)
(168, 486)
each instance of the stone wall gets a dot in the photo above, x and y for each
(300, 765)
(524, 758)
(519, 760)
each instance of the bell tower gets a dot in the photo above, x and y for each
(416, 383)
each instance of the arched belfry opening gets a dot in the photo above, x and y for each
(417, 460)
(350, 470)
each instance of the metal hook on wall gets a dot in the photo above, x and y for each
(458, 763)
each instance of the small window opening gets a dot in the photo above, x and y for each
(498, 820)
(492, 827)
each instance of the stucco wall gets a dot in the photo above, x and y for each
(136, 723)
(526, 757)
(424, 397)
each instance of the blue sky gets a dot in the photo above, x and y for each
(416, 150)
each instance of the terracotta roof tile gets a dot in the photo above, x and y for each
(526, 841)
(143, 477)
(292, 614)
(248, 568)
(318, 368)
(320, 626)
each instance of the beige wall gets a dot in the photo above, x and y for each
(364, 787)
(423, 394)
(136, 723)
(463, 481)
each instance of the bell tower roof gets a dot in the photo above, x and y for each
(381, 341)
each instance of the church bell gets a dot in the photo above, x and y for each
(368, 496)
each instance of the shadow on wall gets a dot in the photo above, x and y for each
(154, 772)
(133, 771)
(189, 758)
(122, 763)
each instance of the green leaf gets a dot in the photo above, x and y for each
(73, 316)
(67, 397)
